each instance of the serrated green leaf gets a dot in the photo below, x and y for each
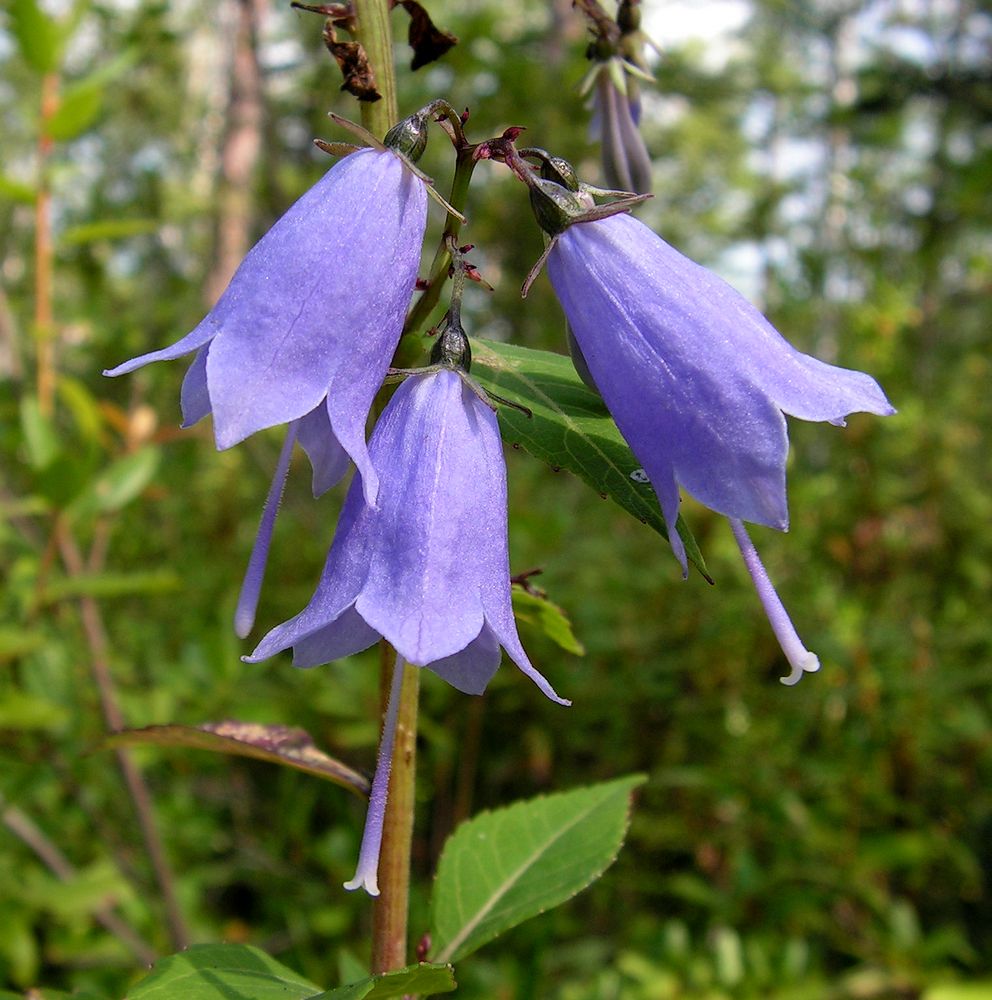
(40, 440)
(424, 979)
(277, 744)
(38, 35)
(570, 428)
(110, 585)
(504, 867)
(117, 485)
(537, 611)
(221, 972)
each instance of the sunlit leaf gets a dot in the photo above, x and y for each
(221, 972)
(569, 428)
(277, 744)
(80, 103)
(14, 190)
(40, 440)
(21, 710)
(547, 617)
(38, 35)
(108, 229)
(506, 866)
(111, 585)
(117, 485)
(16, 642)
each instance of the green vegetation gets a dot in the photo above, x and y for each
(832, 840)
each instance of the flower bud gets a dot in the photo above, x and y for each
(452, 349)
(409, 136)
(555, 207)
(559, 170)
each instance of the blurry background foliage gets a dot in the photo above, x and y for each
(833, 840)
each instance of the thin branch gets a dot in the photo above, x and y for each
(96, 639)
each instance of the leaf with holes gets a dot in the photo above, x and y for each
(570, 428)
(504, 867)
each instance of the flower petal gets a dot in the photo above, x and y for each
(317, 306)
(329, 460)
(430, 546)
(194, 400)
(342, 579)
(349, 633)
(668, 368)
(471, 669)
(194, 340)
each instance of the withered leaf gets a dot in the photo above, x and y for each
(427, 40)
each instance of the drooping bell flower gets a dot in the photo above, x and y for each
(315, 311)
(697, 380)
(307, 327)
(427, 568)
(617, 51)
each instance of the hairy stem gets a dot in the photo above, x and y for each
(389, 916)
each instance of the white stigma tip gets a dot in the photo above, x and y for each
(368, 883)
(806, 663)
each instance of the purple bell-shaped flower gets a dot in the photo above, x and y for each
(427, 568)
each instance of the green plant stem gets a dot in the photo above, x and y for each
(373, 32)
(390, 914)
(419, 314)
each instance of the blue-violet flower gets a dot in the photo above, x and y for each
(698, 382)
(309, 322)
(427, 568)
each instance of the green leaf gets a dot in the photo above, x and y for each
(120, 483)
(84, 407)
(158, 581)
(80, 103)
(78, 108)
(38, 35)
(277, 744)
(23, 711)
(15, 190)
(40, 439)
(221, 972)
(424, 979)
(960, 991)
(504, 867)
(85, 892)
(534, 608)
(108, 229)
(570, 428)
(16, 642)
